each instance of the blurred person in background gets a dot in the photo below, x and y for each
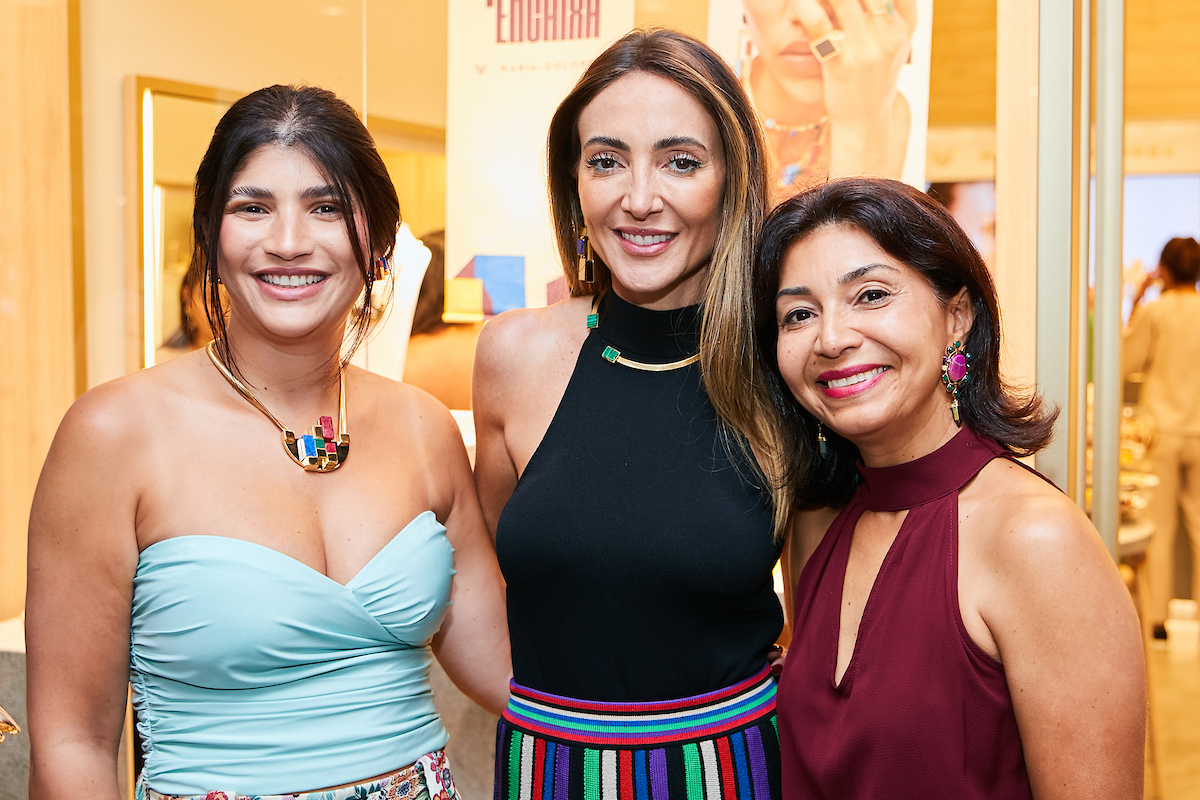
(1162, 342)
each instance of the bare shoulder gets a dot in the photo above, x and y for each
(527, 335)
(1023, 524)
(529, 345)
(127, 409)
(403, 407)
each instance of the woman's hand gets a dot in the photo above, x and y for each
(868, 119)
(1151, 278)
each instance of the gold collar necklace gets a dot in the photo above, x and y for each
(613, 355)
(316, 452)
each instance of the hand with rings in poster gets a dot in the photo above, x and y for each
(824, 80)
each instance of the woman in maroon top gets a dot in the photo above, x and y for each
(959, 629)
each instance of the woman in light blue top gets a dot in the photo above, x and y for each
(273, 596)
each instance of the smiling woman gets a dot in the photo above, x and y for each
(248, 601)
(960, 615)
(634, 528)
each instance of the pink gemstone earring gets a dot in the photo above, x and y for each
(955, 366)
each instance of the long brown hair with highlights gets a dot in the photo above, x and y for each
(732, 376)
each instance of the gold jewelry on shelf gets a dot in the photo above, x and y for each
(613, 355)
(318, 451)
(8, 725)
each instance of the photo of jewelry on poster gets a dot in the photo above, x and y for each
(837, 95)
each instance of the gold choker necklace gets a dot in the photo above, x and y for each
(316, 452)
(613, 355)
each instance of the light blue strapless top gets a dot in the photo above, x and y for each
(253, 672)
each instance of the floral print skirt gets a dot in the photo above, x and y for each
(428, 778)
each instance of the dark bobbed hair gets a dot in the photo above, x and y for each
(327, 130)
(1181, 258)
(919, 232)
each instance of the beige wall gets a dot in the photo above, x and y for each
(37, 382)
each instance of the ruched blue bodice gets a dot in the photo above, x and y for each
(253, 672)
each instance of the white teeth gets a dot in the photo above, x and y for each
(656, 239)
(291, 280)
(838, 383)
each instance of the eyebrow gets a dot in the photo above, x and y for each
(259, 193)
(661, 144)
(607, 141)
(849, 277)
(679, 141)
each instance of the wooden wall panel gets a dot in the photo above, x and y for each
(962, 75)
(1162, 61)
(37, 326)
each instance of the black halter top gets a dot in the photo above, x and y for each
(637, 544)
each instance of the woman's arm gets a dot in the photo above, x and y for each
(1069, 640)
(82, 558)
(472, 643)
(805, 530)
(1136, 342)
(492, 397)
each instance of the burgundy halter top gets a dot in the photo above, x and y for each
(921, 711)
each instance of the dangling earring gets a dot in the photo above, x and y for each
(955, 366)
(381, 268)
(822, 449)
(587, 263)
(208, 276)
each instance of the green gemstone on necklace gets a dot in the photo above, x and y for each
(593, 320)
(611, 354)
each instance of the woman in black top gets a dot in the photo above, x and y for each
(614, 456)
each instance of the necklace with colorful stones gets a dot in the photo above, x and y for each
(319, 451)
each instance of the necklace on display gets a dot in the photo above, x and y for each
(794, 169)
(790, 169)
(792, 130)
(319, 451)
(613, 355)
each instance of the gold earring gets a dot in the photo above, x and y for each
(587, 261)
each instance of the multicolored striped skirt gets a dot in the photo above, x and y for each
(723, 745)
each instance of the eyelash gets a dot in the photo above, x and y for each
(691, 164)
(681, 163)
(790, 317)
(871, 296)
(594, 164)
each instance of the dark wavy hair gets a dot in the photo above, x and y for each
(328, 131)
(919, 232)
(1181, 258)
